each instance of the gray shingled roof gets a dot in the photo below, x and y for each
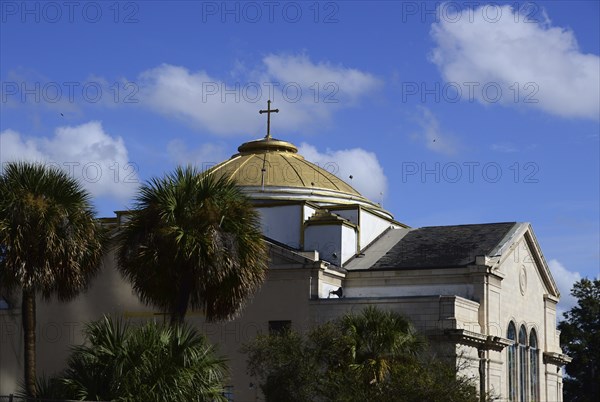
(444, 246)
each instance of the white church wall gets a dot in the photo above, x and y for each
(522, 301)
(329, 281)
(307, 212)
(348, 243)
(422, 311)
(496, 372)
(466, 314)
(326, 239)
(282, 223)
(397, 290)
(335, 243)
(429, 314)
(494, 323)
(371, 226)
(522, 294)
(350, 214)
(467, 360)
(553, 379)
(552, 337)
(326, 288)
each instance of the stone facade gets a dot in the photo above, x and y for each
(462, 286)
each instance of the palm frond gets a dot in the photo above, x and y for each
(52, 244)
(193, 241)
(149, 363)
(379, 337)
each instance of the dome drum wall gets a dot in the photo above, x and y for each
(295, 198)
(320, 197)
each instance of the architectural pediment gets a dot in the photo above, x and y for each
(521, 248)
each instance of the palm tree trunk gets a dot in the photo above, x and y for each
(182, 302)
(179, 310)
(28, 319)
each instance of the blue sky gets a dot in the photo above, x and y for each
(448, 113)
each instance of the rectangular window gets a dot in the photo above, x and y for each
(279, 327)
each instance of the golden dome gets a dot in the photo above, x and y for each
(271, 166)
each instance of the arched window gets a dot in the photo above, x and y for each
(534, 367)
(522, 364)
(512, 362)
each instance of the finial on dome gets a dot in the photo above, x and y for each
(268, 112)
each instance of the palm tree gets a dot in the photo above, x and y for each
(126, 363)
(374, 355)
(193, 240)
(377, 339)
(50, 242)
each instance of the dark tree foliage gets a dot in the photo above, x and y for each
(373, 356)
(580, 338)
(193, 240)
(150, 363)
(51, 243)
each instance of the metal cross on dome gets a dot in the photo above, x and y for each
(268, 112)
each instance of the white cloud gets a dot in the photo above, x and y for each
(98, 160)
(13, 148)
(367, 174)
(564, 280)
(196, 98)
(432, 135)
(545, 62)
(308, 93)
(349, 83)
(204, 156)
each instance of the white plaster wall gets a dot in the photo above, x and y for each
(496, 373)
(282, 223)
(325, 289)
(371, 226)
(329, 240)
(422, 311)
(350, 214)
(326, 239)
(525, 305)
(348, 243)
(466, 314)
(409, 290)
(308, 211)
(467, 360)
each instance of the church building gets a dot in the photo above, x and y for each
(482, 293)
